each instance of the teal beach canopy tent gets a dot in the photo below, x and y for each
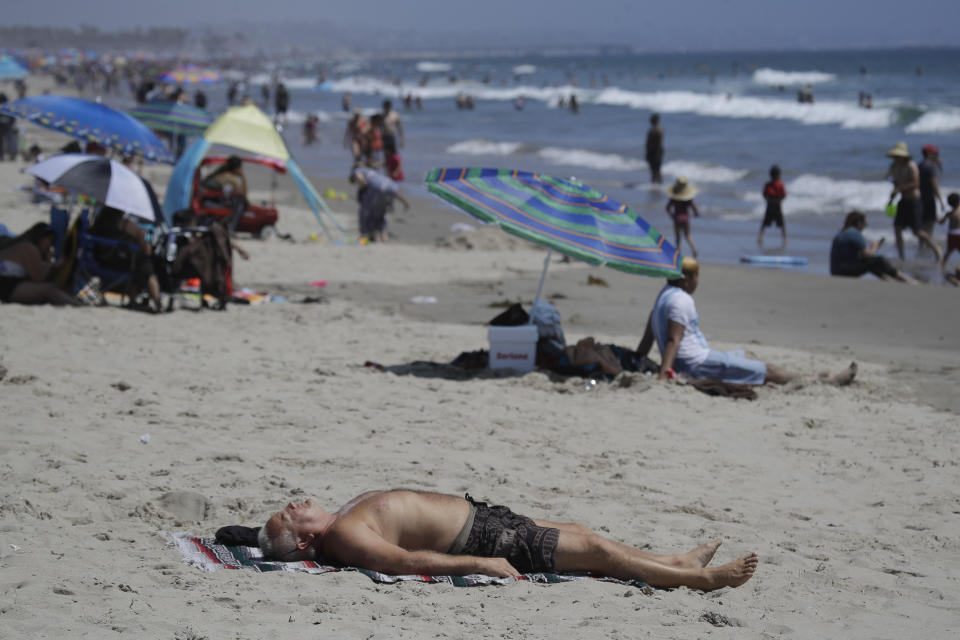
(248, 129)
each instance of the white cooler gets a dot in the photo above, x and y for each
(513, 347)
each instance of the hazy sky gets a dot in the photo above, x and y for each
(677, 24)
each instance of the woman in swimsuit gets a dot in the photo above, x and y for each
(26, 267)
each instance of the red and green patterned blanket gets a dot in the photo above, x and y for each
(206, 554)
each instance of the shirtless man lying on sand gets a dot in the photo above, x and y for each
(404, 532)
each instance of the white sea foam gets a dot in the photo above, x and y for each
(477, 147)
(769, 76)
(590, 159)
(298, 117)
(937, 121)
(811, 194)
(257, 80)
(427, 66)
(721, 106)
(702, 172)
(524, 69)
(698, 172)
(844, 114)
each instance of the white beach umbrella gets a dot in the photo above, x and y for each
(102, 179)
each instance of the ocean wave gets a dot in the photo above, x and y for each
(257, 80)
(299, 117)
(484, 148)
(427, 66)
(524, 69)
(769, 76)
(847, 115)
(446, 90)
(590, 159)
(810, 194)
(844, 114)
(937, 121)
(702, 172)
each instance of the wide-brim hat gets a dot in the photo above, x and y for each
(899, 151)
(681, 190)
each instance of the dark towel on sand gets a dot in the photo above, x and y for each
(726, 389)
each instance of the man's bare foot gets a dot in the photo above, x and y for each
(699, 557)
(845, 377)
(732, 574)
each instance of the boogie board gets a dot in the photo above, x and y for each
(786, 261)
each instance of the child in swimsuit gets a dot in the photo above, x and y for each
(774, 193)
(953, 230)
(680, 206)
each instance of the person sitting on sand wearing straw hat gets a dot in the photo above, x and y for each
(675, 325)
(402, 532)
(906, 182)
(681, 204)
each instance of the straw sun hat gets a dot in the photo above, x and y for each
(681, 190)
(899, 151)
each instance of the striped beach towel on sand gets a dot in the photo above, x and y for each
(206, 554)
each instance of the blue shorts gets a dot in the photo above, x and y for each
(728, 366)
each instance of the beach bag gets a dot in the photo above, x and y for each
(514, 316)
(547, 318)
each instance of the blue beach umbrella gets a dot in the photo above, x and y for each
(562, 215)
(90, 122)
(10, 69)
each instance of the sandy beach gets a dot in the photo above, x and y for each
(849, 495)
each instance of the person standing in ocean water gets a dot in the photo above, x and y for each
(281, 99)
(906, 183)
(392, 126)
(773, 192)
(654, 149)
(929, 188)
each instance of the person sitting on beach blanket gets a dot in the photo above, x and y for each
(675, 325)
(26, 267)
(851, 256)
(404, 532)
(228, 180)
(117, 225)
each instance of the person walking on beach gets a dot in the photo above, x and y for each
(930, 169)
(654, 149)
(773, 192)
(405, 531)
(679, 207)
(953, 230)
(906, 183)
(675, 326)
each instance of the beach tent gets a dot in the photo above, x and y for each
(248, 129)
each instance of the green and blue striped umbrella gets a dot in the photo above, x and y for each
(174, 117)
(564, 215)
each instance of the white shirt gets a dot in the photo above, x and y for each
(675, 304)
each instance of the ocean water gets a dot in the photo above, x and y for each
(727, 118)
